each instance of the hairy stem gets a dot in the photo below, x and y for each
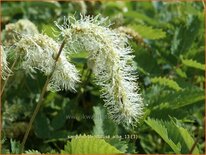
(44, 89)
(7, 78)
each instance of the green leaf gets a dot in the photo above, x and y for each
(183, 98)
(148, 32)
(60, 134)
(142, 57)
(166, 82)
(32, 152)
(98, 121)
(180, 72)
(174, 135)
(59, 120)
(161, 129)
(67, 149)
(50, 30)
(164, 113)
(89, 145)
(140, 16)
(11, 11)
(15, 146)
(156, 95)
(118, 143)
(163, 103)
(194, 98)
(185, 35)
(193, 64)
(42, 126)
(103, 125)
(187, 139)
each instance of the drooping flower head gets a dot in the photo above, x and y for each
(38, 52)
(14, 31)
(112, 64)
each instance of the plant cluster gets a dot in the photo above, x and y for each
(102, 77)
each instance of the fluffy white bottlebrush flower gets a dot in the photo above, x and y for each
(5, 71)
(38, 52)
(14, 31)
(112, 63)
(65, 75)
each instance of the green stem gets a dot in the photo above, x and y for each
(40, 99)
(34, 114)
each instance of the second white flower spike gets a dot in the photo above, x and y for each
(38, 52)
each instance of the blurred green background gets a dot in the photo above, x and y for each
(168, 42)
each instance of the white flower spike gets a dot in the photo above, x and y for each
(112, 64)
(38, 52)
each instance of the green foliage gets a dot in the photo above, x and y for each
(174, 135)
(169, 59)
(32, 152)
(104, 127)
(42, 126)
(15, 147)
(89, 145)
(166, 82)
(185, 35)
(161, 129)
(193, 64)
(178, 104)
(140, 17)
(184, 98)
(98, 121)
(149, 32)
